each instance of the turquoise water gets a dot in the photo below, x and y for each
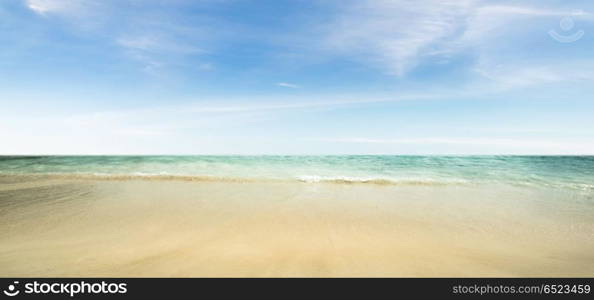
(575, 172)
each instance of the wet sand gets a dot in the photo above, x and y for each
(119, 228)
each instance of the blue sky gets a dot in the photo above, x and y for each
(296, 77)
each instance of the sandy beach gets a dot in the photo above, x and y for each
(148, 228)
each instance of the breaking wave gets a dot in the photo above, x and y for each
(311, 179)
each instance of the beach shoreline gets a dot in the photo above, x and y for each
(173, 228)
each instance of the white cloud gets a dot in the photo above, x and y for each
(220, 125)
(154, 43)
(156, 52)
(506, 77)
(50, 6)
(398, 35)
(518, 75)
(484, 21)
(73, 8)
(497, 34)
(154, 40)
(288, 85)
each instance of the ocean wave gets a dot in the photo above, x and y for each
(378, 180)
(309, 179)
(133, 176)
(304, 179)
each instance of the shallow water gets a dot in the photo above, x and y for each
(73, 226)
(560, 172)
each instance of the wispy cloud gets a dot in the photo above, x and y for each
(483, 24)
(44, 7)
(288, 85)
(519, 75)
(398, 35)
(154, 39)
(156, 52)
(208, 112)
(155, 44)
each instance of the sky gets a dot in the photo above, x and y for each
(296, 77)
